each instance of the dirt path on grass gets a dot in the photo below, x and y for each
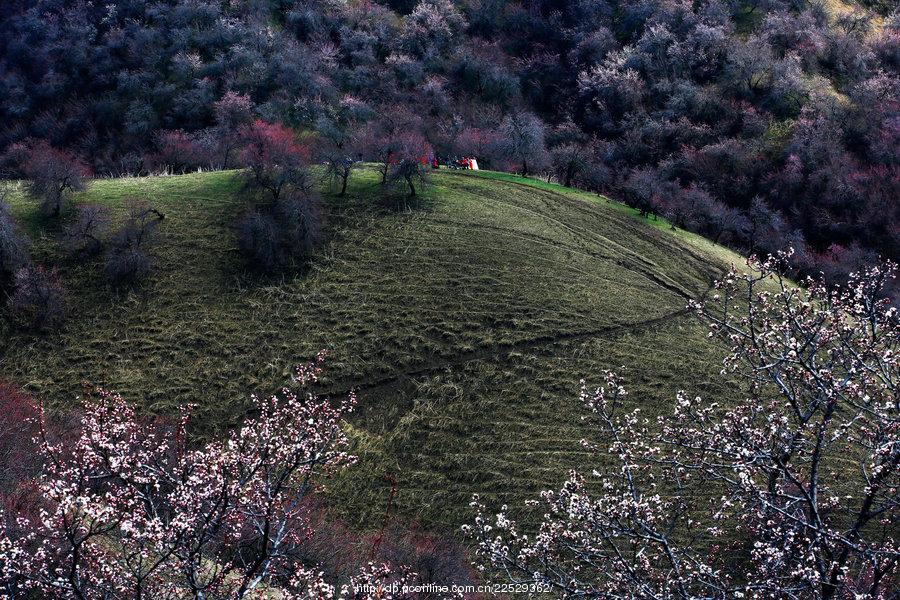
(497, 350)
(586, 242)
(624, 256)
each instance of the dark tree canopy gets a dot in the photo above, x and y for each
(783, 108)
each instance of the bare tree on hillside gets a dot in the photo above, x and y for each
(128, 261)
(521, 141)
(53, 174)
(85, 236)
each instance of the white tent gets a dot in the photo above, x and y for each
(474, 164)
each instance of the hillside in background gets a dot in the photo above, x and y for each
(465, 322)
(760, 124)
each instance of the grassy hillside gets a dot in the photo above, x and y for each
(466, 323)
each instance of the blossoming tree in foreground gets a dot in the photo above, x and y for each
(790, 493)
(125, 509)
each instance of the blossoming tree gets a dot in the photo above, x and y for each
(789, 493)
(127, 509)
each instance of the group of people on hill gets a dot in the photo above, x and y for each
(469, 163)
(465, 163)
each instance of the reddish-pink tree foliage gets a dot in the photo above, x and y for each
(275, 159)
(272, 143)
(19, 460)
(177, 152)
(52, 173)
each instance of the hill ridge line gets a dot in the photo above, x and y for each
(629, 260)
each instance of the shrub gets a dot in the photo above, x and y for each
(338, 167)
(178, 152)
(569, 162)
(644, 190)
(434, 560)
(127, 267)
(129, 262)
(85, 236)
(18, 428)
(276, 162)
(480, 143)
(409, 163)
(283, 235)
(339, 143)
(381, 139)
(411, 172)
(431, 28)
(38, 301)
(13, 246)
(301, 221)
(233, 112)
(520, 139)
(258, 241)
(408, 71)
(12, 160)
(53, 174)
(597, 178)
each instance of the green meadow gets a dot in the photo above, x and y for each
(465, 322)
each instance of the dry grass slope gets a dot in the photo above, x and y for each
(466, 324)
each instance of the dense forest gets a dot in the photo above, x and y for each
(761, 124)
